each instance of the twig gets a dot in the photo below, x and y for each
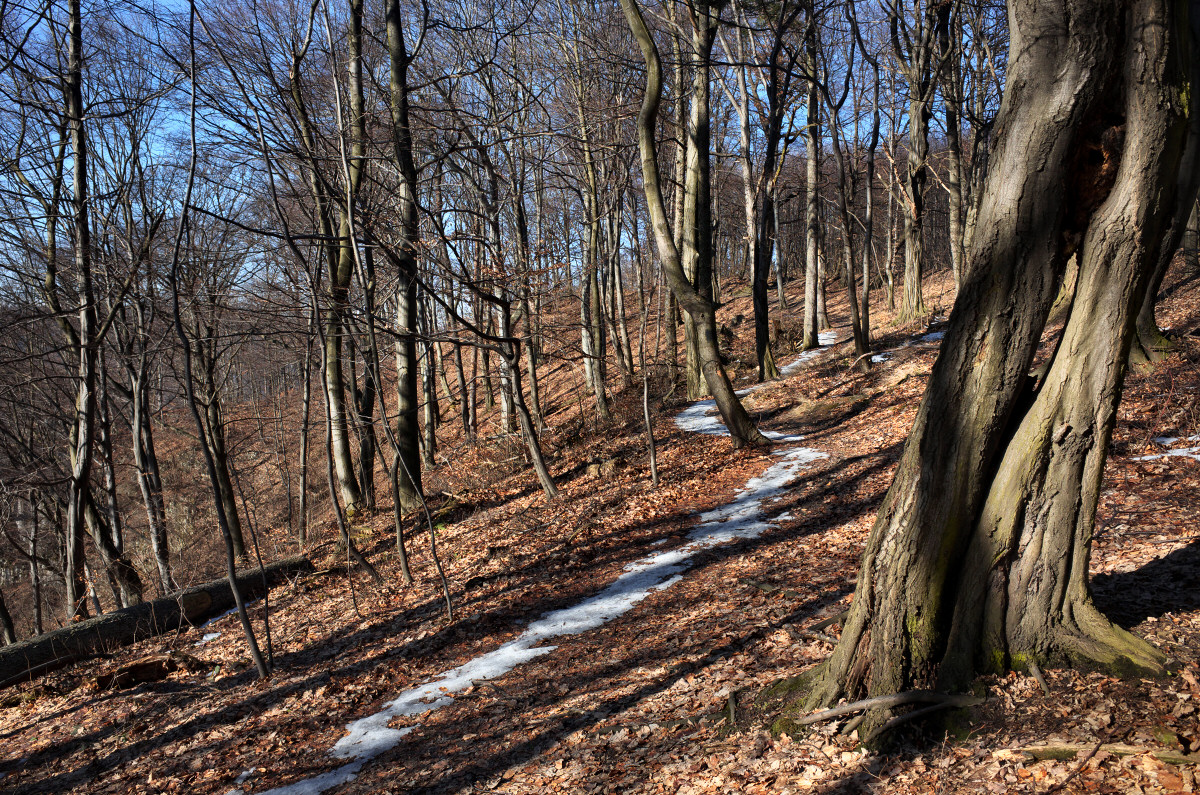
(1082, 764)
(1037, 674)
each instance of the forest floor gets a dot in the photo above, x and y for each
(642, 701)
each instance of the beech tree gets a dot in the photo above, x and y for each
(978, 559)
(695, 233)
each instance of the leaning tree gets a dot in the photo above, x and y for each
(978, 559)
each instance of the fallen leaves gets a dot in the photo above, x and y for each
(640, 705)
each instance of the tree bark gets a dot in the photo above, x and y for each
(85, 400)
(812, 135)
(407, 396)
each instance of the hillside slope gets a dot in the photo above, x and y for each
(643, 702)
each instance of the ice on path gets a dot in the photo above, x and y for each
(743, 518)
(1182, 452)
(824, 338)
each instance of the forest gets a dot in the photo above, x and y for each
(577, 396)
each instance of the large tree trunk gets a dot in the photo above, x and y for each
(85, 399)
(342, 275)
(408, 479)
(978, 559)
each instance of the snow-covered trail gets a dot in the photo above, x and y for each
(742, 518)
(1182, 452)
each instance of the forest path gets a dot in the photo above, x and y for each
(745, 517)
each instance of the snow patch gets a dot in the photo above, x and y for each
(933, 336)
(1181, 452)
(825, 338)
(317, 784)
(879, 358)
(228, 612)
(701, 417)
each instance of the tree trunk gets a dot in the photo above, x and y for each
(127, 584)
(915, 49)
(407, 399)
(408, 402)
(364, 424)
(8, 632)
(305, 427)
(1191, 241)
(697, 223)
(593, 338)
(812, 135)
(35, 570)
(145, 460)
(87, 639)
(622, 342)
(342, 275)
(214, 430)
(85, 400)
(978, 559)
(116, 535)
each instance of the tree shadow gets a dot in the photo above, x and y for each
(1167, 584)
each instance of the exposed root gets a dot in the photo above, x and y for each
(916, 714)
(940, 700)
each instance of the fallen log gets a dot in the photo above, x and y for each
(101, 635)
(148, 669)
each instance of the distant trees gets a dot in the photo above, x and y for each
(401, 211)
